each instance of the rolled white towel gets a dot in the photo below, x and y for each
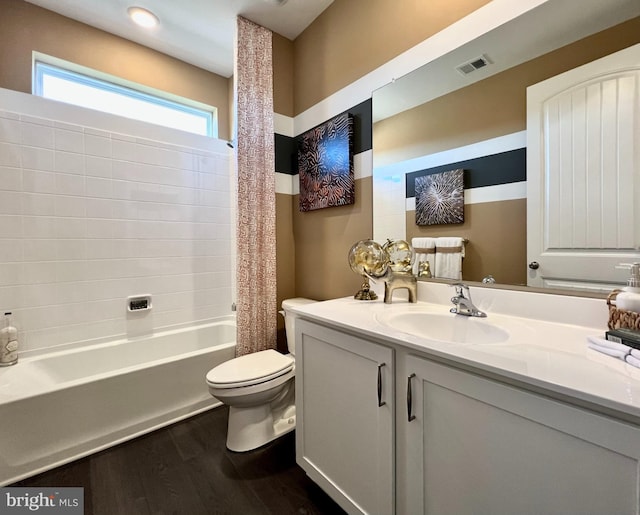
(632, 360)
(617, 350)
(635, 353)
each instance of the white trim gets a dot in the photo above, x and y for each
(362, 164)
(488, 147)
(296, 184)
(479, 22)
(283, 125)
(284, 183)
(497, 193)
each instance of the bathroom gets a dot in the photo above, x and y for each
(311, 251)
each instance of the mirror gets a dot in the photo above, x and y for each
(470, 104)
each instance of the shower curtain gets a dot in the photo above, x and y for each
(256, 218)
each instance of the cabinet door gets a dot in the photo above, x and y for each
(477, 446)
(344, 409)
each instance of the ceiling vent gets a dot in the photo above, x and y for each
(473, 65)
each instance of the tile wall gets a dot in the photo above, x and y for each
(90, 216)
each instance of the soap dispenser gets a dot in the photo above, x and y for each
(8, 343)
(629, 298)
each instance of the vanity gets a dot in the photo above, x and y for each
(407, 408)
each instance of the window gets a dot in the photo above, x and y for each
(65, 85)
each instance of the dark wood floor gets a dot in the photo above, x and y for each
(186, 469)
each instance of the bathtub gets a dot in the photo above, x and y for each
(58, 407)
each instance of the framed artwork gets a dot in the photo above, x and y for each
(440, 198)
(325, 165)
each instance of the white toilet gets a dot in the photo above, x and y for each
(259, 390)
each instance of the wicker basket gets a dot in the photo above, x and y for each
(621, 318)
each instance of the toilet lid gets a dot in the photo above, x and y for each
(250, 369)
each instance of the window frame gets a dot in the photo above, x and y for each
(45, 65)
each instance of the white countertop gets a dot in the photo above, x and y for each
(549, 356)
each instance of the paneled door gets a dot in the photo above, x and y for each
(583, 168)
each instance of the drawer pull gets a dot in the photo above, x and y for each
(380, 401)
(410, 416)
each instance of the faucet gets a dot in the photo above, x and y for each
(462, 304)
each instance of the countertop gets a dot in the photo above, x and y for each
(547, 357)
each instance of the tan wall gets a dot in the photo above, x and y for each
(354, 37)
(285, 251)
(285, 254)
(347, 41)
(25, 27)
(282, 75)
(323, 239)
(497, 239)
(493, 107)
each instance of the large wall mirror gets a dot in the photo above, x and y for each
(468, 110)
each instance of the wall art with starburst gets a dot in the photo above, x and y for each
(325, 165)
(440, 198)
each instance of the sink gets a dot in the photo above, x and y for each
(444, 327)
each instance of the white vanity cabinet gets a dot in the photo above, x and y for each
(345, 417)
(457, 442)
(479, 446)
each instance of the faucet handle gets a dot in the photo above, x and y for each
(460, 288)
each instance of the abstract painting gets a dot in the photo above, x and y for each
(440, 198)
(325, 164)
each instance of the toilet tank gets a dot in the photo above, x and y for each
(290, 320)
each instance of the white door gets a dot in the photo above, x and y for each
(583, 167)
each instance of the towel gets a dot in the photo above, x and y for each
(449, 254)
(425, 249)
(632, 360)
(616, 350)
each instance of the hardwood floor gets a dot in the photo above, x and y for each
(186, 469)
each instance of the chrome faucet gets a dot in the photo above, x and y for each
(462, 304)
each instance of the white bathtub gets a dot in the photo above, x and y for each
(58, 407)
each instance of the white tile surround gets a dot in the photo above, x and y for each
(91, 213)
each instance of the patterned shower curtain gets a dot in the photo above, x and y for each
(256, 219)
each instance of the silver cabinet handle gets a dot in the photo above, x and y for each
(380, 401)
(410, 417)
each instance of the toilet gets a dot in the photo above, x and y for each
(259, 390)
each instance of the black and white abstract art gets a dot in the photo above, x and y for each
(440, 198)
(325, 164)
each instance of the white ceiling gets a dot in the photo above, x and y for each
(200, 32)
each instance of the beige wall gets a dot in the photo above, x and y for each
(25, 27)
(490, 108)
(353, 37)
(282, 75)
(347, 41)
(322, 242)
(497, 239)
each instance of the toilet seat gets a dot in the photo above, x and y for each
(250, 369)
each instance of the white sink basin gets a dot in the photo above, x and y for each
(444, 327)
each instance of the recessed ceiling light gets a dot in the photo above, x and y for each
(143, 17)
